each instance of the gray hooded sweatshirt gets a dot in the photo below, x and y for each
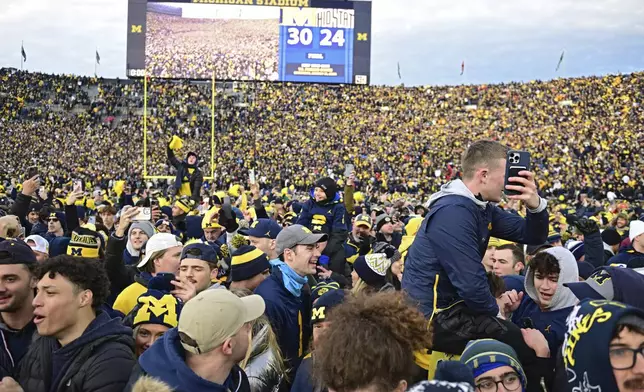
(563, 297)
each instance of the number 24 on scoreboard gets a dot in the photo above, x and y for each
(304, 37)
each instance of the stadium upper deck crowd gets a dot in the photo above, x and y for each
(310, 280)
(396, 137)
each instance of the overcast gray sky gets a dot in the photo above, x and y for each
(499, 40)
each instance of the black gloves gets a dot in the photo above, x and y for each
(227, 218)
(586, 226)
(389, 250)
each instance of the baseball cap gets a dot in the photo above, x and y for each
(297, 235)
(262, 228)
(200, 251)
(213, 316)
(16, 252)
(612, 283)
(159, 241)
(40, 244)
(363, 220)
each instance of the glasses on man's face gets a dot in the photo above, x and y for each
(510, 381)
(52, 220)
(623, 358)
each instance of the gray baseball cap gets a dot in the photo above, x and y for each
(599, 285)
(297, 235)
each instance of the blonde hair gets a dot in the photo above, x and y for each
(261, 326)
(361, 287)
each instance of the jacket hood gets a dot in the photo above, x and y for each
(336, 198)
(456, 187)
(143, 278)
(563, 297)
(590, 328)
(147, 228)
(102, 326)
(164, 360)
(150, 384)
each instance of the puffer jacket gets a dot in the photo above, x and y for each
(100, 360)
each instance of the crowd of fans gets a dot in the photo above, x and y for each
(584, 134)
(235, 49)
(416, 269)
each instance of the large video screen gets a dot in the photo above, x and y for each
(317, 42)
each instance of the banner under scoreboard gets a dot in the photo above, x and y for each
(277, 40)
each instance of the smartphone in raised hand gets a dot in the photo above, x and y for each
(516, 162)
(78, 186)
(32, 172)
(348, 169)
(145, 213)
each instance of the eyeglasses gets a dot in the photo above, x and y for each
(510, 381)
(52, 220)
(623, 358)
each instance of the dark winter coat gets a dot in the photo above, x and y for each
(445, 258)
(183, 175)
(16, 344)
(330, 218)
(165, 360)
(100, 360)
(120, 275)
(289, 316)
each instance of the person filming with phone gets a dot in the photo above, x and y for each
(443, 270)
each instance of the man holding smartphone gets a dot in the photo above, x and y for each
(443, 269)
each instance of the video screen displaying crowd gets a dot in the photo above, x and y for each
(351, 239)
(236, 49)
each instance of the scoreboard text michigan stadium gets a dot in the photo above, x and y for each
(279, 40)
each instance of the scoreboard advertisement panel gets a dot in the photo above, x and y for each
(269, 40)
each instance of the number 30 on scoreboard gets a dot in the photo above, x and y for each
(327, 37)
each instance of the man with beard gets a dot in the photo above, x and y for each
(17, 284)
(360, 239)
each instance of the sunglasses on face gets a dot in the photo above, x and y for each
(52, 220)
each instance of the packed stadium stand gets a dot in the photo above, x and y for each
(585, 134)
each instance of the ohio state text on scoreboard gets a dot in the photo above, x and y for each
(317, 44)
(315, 41)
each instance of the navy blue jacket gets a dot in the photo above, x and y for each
(16, 345)
(99, 360)
(330, 218)
(304, 378)
(630, 257)
(289, 316)
(594, 249)
(552, 324)
(445, 258)
(165, 360)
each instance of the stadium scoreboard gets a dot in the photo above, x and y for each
(315, 41)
